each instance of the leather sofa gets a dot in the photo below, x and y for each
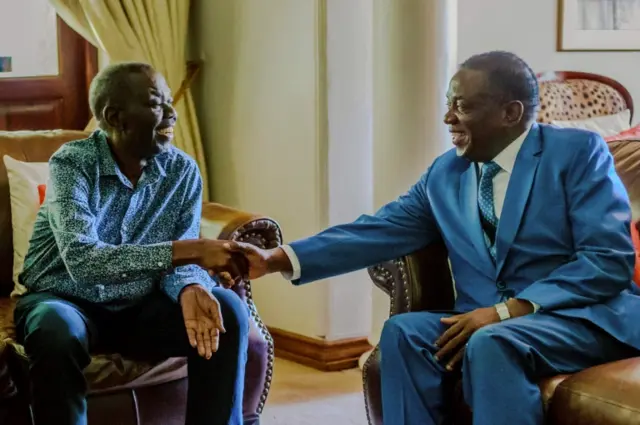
(122, 391)
(604, 395)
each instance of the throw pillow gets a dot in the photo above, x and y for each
(24, 179)
(606, 125)
(631, 134)
(635, 236)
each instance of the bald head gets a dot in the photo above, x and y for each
(112, 86)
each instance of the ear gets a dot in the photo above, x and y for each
(513, 113)
(112, 117)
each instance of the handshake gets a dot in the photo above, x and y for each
(229, 260)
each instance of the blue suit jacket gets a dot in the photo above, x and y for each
(563, 240)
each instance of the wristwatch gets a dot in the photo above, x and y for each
(503, 311)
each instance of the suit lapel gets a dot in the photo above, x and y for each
(468, 198)
(517, 195)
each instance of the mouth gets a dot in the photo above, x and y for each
(166, 131)
(459, 139)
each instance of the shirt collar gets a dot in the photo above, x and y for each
(108, 166)
(507, 158)
(155, 169)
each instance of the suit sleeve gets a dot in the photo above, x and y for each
(397, 229)
(600, 217)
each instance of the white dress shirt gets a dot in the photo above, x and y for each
(505, 159)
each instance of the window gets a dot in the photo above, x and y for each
(29, 37)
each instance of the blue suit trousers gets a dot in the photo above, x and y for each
(502, 364)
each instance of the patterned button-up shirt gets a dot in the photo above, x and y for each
(99, 238)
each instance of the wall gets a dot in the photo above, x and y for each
(414, 58)
(259, 113)
(314, 111)
(291, 128)
(528, 28)
(285, 108)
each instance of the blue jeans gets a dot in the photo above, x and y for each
(59, 334)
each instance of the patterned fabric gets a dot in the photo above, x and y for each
(577, 100)
(98, 238)
(485, 199)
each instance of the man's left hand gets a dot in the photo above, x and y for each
(202, 319)
(461, 327)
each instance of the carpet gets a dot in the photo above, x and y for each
(303, 396)
(339, 410)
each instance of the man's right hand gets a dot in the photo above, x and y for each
(216, 256)
(262, 261)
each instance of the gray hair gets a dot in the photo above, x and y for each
(109, 84)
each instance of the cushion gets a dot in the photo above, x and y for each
(42, 192)
(578, 99)
(630, 134)
(24, 179)
(606, 125)
(626, 154)
(635, 236)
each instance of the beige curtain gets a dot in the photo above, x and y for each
(152, 31)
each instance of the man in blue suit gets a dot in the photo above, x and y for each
(537, 225)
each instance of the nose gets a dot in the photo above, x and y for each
(169, 112)
(449, 117)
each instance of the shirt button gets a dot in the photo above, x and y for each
(160, 263)
(124, 275)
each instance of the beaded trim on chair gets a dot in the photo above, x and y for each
(254, 232)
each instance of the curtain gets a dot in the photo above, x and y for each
(151, 31)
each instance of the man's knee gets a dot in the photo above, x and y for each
(486, 342)
(235, 312)
(55, 330)
(393, 331)
(416, 329)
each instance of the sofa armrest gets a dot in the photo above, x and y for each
(417, 282)
(223, 222)
(226, 223)
(609, 392)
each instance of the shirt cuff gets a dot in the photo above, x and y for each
(295, 263)
(536, 307)
(173, 284)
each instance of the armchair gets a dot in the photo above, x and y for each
(123, 391)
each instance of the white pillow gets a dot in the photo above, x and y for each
(24, 178)
(606, 125)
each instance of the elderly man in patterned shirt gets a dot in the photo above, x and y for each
(115, 263)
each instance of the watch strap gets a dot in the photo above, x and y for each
(503, 311)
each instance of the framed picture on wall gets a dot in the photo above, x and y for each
(598, 25)
(5, 64)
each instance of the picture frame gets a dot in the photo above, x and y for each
(598, 25)
(5, 64)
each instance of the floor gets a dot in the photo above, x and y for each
(303, 396)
